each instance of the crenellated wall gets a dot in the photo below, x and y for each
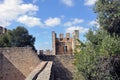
(64, 45)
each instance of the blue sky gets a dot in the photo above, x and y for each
(41, 17)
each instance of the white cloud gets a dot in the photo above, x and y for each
(74, 22)
(10, 10)
(30, 21)
(46, 43)
(77, 21)
(69, 3)
(4, 23)
(81, 29)
(90, 2)
(33, 21)
(51, 22)
(94, 23)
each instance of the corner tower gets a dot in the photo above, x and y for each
(75, 39)
(53, 43)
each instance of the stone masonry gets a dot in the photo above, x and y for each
(63, 66)
(64, 45)
(2, 30)
(17, 63)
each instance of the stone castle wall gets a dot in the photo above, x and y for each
(41, 72)
(17, 63)
(63, 66)
(64, 45)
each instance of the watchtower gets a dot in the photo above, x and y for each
(64, 45)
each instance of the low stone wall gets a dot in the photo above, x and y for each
(41, 72)
(63, 66)
(67, 61)
(17, 63)
(45, 74)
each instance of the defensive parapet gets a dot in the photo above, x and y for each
(17, 63)
(41, 72)
(64, 45)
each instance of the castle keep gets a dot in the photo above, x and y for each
(2, 30)
(64, 45)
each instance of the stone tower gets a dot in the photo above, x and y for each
(64, 45)
(53, 43)
(75, 39)
(2, 30)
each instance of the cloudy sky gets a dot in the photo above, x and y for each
(41, 17)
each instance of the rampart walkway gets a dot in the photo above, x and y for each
(41, 72)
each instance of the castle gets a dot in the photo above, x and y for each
(2, 30)
(22, 63)
(64, 45)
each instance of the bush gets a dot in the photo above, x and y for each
(95, 61)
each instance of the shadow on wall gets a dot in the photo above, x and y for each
(8, 71)
(59, 72)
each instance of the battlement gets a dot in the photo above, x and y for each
(64, 45)
(67, 35)
(61, 36)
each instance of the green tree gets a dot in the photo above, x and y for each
(21, 37)
(4, 41)
(18, 37)
(108, 12)
(95, 61)
(99, 58)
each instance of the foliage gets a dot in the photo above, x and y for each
(78, 76)
(4, 41)
(99, 58)
(108, 12)
(18, 37)
(94, 57)
(111, 45)
(95, 37)
(22, 38)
